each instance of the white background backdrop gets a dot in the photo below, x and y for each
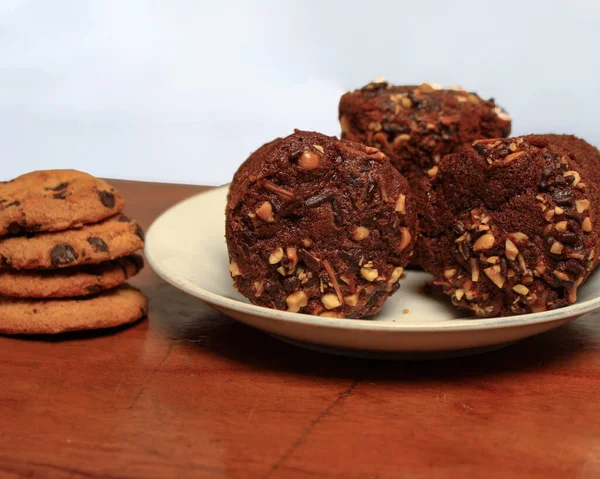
(183, 91)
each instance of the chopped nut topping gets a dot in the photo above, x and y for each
(432, 172)
(360, 233)
(501, 113)
(493, 259)
(276, 256)
(307, 243)
(556, 248)
(401, 204)
(521, 289)
(494, 273)
(296, 301)
(281, 270)
(561, 275)
(403, 137)
(549, 215)
(319, 148)
(512, 147)
(459, 293)
(345, 123)
(518, 237)
(265, 212)
(406, 237)
(345, 279)
(330, 301)
(484, 242)
(234, 269)
(582, 205)
(574, 174)
(581, 186)
(449, 273)
(375, 153)
(259, 287)
(510, 273)
(522, 264)
(406, 102)
(292, 256)
(374, 126)
(351, 300)
(474, 269)
(575, 255)
(309, 160)
(540, 268)
(558, 210)
(561, 226)
(370, 274)
(513, 156)
(511, 250)
(396, 275)
(586, 224)
(528, 280)
(573, 290)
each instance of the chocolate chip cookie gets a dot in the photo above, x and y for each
(319, 225)
(116, 307)
(417, 125)
(69, 282)
(513, 225)
(55, 200)
(94, 243)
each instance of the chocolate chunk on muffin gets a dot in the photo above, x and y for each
(512, 225)
(319, 225)
(417, 125)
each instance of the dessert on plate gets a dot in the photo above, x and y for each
(512, 225)
(319, 225)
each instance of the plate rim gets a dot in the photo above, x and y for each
(459, 324)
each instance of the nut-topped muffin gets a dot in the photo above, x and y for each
(319, 225)
(417, 125)
(512, 225)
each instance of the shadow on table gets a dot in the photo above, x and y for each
(191, 321)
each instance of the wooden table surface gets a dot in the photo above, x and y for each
(191, 393)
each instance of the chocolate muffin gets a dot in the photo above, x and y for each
(512, 225)
(320, 226)
(417, 125)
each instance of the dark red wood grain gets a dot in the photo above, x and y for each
(190, 393)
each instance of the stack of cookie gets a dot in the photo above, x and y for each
(66, 251)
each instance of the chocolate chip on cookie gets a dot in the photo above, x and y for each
(98, 244)
(107, 198)
(62, 254)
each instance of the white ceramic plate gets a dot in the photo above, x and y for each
(186, 247)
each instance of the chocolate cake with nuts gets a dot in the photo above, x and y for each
(512, 225)
(319, 225)
(417, 125)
